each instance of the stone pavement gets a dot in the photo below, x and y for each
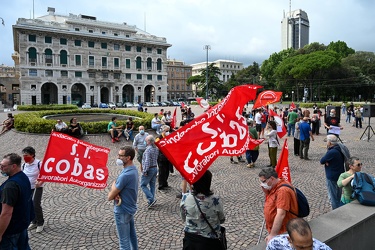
(82, 218)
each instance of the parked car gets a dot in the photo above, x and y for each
(86, 106)
(163, 104)
(94, 105)
(135, 105)
(103, 105)
(155, 104)
(128, 105)
(111, 105)
(147, 104)
(176, 104)
(119, 104)
(170, 103)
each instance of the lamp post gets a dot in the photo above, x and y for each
(292, 96)
(207, 48)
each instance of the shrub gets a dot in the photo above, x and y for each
(47, 107)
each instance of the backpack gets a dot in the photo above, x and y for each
(364, 188)
(23, 165)
(303, 204)
(345, 152)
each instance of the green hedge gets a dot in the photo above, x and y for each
(47, 107)
(33, 122)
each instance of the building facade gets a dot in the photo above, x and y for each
(178, 73)
(77, 59)
(9, 86)
(295, 28)
(226, 67)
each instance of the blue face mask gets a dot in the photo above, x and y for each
(145, 143)
(142, 132)
(4, 174)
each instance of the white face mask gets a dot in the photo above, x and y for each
(166, 133)
(119, 163)
(265, 185)
(332, 114)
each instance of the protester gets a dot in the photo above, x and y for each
(163, 163)
(292, 118)
(75, 128)
(273, 142)
(124, 192)
(281, 202)
(305, 134)
(139, 144)
(315, 122)
(198, 234)
(16, 211)
(358, 118)
(297, 137)
(128, 132)
(252, 155)
(156, 123)
(114, 130)
(61, 126)
(149, 170)
(258, 121)
(333, 162)
(8, 124)
(331, 121)
(31, 168)
(299, 237)
(346, 178)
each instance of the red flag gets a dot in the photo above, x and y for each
(77, 162)
(202, 102)
(281, 130)
(182, 105)
(292, 106)
(282, 167)
(267, 97)
(174, 119)
(254, 142)
(222, 130)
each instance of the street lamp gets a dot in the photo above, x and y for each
(292, 96)
(207, 48)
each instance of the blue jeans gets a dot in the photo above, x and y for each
(157, 127)
(291, 128)
(150, 180)
(15, 241)
(252, 156)
(334, 193)
(126, 231)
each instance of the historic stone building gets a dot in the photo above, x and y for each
(77, 59)
(227, 68)
(9, 86)
(178, 73)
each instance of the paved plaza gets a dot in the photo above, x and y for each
(82, 218)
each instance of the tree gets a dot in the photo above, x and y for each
(340, 48)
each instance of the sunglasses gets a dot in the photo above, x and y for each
(358, 165)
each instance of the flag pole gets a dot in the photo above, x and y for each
(261, 230)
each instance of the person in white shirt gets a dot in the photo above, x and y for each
(31, 168)
(156, 123)
(258, 121)
(61, 126)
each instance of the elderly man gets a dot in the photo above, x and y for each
(149, 171)
(332, 121)
(139, 143)
(299, 237)
(281, 202)
(333, 162)
(16, 210)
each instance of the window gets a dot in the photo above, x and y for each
(92, 75)
(64, 73)
(160, 77)
(115, 34)
(77, 43)
(16, 87)
(48, 39)
(63, 41)
(138, 63)
(105, 74)
(116, 75)
(149, 77)
(104, 45)
(78, 74)
(91, 44)
(127, 63)
(32, 55)
(48, 56)
(78, 60)
(91, 61)
(128, 76)
(127, 35)
(76, 29)
(104, 61)
(139, 49)
(159, 51)
(158, 64)
(91, 31)
(116, 46)
(33, 72)
(139, 76)
(128, 48)
(63, 57)
(116, 62)
(149, 50)
(103, 32)
(32, 38)
(48, 73)
(149, 64)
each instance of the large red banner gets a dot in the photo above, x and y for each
(267, 97)
(282, 167)
(72, 161)
(281, 130)
(222, 130)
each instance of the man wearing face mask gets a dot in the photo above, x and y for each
(124, 192)
(332, 120)
(163, 163)
(31, 168)
(139, 143)
(281, 203)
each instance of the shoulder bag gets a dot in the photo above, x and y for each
(222, 238)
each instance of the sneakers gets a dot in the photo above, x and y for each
(39, 229)
(151, 204)
(233, 162)
(113, 140)
(117, 139)
(32, 226)
(241, 160)
(250, 165)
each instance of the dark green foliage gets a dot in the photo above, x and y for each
(47, 107)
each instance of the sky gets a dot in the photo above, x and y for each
(241, 30)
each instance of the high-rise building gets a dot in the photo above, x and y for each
(178, 73)
(295, 29)
(76, 59)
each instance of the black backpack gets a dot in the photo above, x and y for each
(303, 204)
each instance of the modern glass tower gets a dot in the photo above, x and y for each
(295, 29)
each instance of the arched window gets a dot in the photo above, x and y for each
(48, 55)
(63, 57)
(158, 64)
(149, 63)
(139, 63)
(32, 55)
